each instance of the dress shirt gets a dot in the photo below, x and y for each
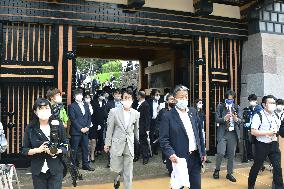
(189, 130)
(126, 115)
(155, 109)
(81, 105)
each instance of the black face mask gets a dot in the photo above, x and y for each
(172, 105)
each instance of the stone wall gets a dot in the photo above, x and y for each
(263, 66)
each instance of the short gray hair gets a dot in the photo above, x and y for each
(179, 88)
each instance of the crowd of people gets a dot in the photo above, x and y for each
(129, 126)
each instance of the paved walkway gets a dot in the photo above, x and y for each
(263, 182)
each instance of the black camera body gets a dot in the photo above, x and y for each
(56, 110)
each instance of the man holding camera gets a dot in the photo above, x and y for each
(57, 108)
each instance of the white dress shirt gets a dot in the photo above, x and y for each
(155, 109)
(189, 130)
(269, 122)
(81, 105)
(126, 115)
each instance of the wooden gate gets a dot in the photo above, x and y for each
(33, 58)
(217, 68)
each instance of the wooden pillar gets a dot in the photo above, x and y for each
(143, 78)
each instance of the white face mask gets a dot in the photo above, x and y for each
(88, 100)
(199, 106)
(44, 114)
(279, 108)
(182, 104)
(58, 99)
(79, 97)
(127, 104)
(271, 107)
(157, 98)
(253, 103)
(101, 98)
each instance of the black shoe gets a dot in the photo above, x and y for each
(231, 178)
(135, 159)
(155, 153)
(208, 161)
(108, 165)
(116, 183)
(145, 161)
(88, 168)
(216, 174)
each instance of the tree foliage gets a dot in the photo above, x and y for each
(112, 66)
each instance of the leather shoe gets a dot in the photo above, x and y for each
(135, 159)
(88, 168)
(145, 161)
(231, 178)
(216, 174)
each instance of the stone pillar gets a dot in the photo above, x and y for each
(263, 66)
(263, 69)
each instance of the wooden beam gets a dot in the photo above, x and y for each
(158, 68)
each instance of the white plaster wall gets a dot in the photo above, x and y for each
(184, 6)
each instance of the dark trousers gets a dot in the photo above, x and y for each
(194, 169)
(100, 141)
(143, 146)
(247, 144)
(262, 150)
(75, 141)
(47, 181)
(154, 135)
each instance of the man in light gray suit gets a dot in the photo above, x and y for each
(122, 126)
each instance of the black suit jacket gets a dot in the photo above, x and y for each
(100, 114)
(34, 138)
(144, 120)
(78, 120)
(150, 102)
(110, 105)
(173, 136)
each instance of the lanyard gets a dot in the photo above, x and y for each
(269, 121)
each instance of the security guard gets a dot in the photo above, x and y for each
(265, 127)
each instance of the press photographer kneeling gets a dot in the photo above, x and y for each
(45, 142)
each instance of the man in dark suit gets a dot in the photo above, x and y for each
(181, 136)
(116, 102)
(154, 111)
(144, 126)
(99, 119)
(80, 116)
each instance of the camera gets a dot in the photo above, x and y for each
(54, 137)
(56, 111)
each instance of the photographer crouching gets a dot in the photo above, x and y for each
(45, 142)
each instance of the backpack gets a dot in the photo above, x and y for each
(253, 138)
(3, 140)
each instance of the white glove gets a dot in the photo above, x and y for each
(99, 127)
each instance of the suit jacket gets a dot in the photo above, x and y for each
(173, 136)
(144, 120)
(150, 102)
(117, 136)
(78, 120)
(110, 105)
(34, 138)
(220, 114)
(100, 115)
